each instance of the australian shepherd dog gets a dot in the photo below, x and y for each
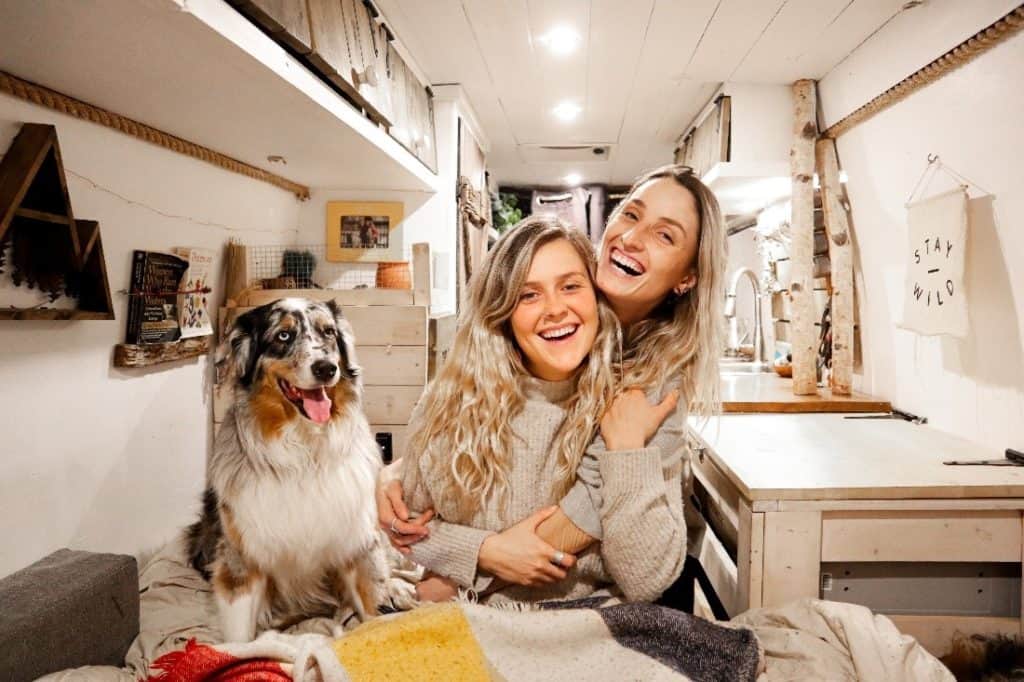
(288, 527)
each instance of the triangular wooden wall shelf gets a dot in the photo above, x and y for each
(35, 212)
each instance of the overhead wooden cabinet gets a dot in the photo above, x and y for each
(347, 45)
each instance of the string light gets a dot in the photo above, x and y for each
(173, 216)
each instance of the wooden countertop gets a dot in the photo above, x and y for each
(768, 392)
(828, 457)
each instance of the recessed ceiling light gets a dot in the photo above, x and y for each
(573, 179)
(560, 40)
(567, 111)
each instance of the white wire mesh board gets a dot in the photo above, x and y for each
(307, 267)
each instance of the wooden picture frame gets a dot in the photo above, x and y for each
(364, 231)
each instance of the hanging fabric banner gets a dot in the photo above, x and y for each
(934, 298)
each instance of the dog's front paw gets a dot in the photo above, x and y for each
(400, 594)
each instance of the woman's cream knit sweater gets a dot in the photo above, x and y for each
(641, 509)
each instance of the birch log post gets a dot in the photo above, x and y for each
(801, 288)
(840, 254)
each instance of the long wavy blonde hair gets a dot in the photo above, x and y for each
(684, 335)
(464, 417)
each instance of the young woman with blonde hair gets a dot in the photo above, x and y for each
(661, 268)
(500, 432)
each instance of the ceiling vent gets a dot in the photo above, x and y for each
(573, 153)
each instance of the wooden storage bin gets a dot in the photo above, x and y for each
(393, 276)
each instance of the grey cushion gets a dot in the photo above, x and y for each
(67, 610)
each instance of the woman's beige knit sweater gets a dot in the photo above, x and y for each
(641, 510)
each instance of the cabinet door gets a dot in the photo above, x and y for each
(398, 80)
(425, 146)
(334, 53)
(411, 109)
(370, 78)
(708, 143)
(286, 20)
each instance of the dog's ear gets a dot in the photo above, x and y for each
(346, 344)
(236, 354)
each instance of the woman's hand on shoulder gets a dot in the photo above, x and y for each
(517, 555)
(394, 517)
(631, 420)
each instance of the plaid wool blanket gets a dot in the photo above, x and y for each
(460, 641)
(588, 640)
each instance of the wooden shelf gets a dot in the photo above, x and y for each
(52, 314)
(42, 216)
(370, 296)
(233, 89)
(144, 355)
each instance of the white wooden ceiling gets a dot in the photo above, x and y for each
(642, 71)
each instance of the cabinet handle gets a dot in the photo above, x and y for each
(367, 76)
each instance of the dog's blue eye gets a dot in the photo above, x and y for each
(284, 336)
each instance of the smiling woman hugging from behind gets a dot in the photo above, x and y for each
(499, 434)
(661, 268)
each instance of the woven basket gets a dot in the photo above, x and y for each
(394, 276)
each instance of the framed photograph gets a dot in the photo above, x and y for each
(364, 231)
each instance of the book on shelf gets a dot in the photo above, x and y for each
(153, 297)
(193, 315)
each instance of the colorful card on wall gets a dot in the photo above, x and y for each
(364, 231)
(193, 313)
(934, 298)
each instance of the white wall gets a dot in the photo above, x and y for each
(971, 118)
(94, 457)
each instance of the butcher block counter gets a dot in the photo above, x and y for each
(768, 392)
(864, 511)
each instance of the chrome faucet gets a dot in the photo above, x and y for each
(733, 347)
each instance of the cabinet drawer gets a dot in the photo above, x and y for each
(721, 571)
(921, 536)
(719, 497)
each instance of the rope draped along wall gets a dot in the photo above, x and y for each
(37, 94)
(982, 41)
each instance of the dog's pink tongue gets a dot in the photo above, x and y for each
(316, 404)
